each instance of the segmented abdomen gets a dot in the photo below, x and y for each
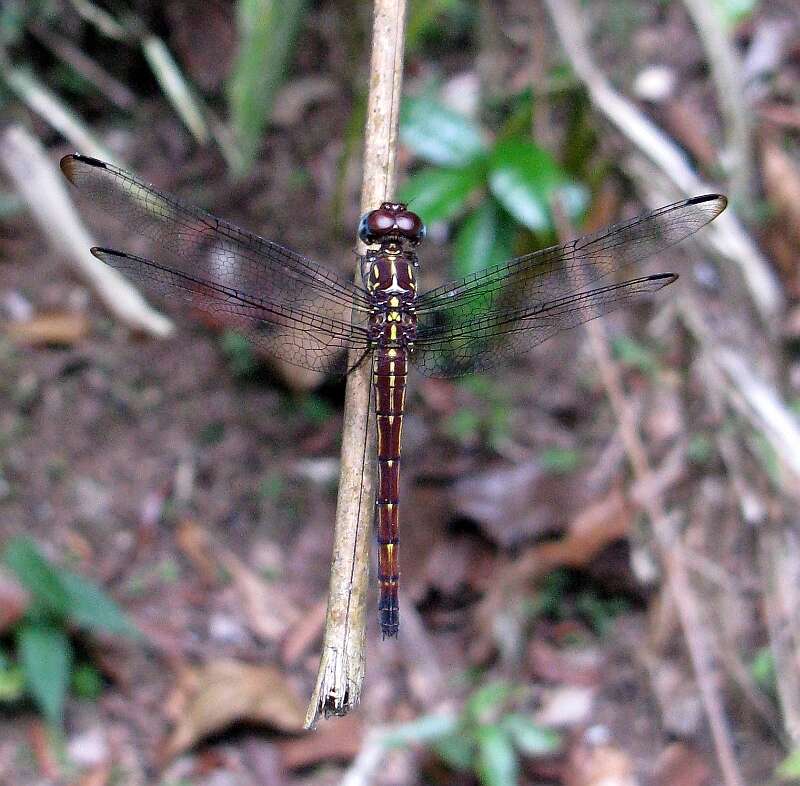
(389, 368)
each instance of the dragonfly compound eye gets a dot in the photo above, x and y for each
(410, 226)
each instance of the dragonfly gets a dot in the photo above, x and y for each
(302, 312)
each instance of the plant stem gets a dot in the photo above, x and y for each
(342, 665)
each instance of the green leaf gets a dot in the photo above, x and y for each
(440, 194)
(438, 134)
(789, 768)
(484, 239)
(12, 683)
(63, 594)
(267, 31)
(457, 751)
(530, 739)
(37, 575)
(560, 460)
(92, 609)
(488, 700)
(46, 656)
(437, 21)
(497, 763)
(734, 12)
(87, 683)
(763, 669)
(526, 179)
(239, 352)
(422, 730)
(463, 426)
(635, 355)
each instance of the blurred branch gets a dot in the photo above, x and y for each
(175, 86)
(101, 19)
(193, 112)
(342, 665)
(114, 90)
(667, 540)
(726, 72)
(51, 109)
(725, 235)
(780, 560)
(741, 382)
(41, 186)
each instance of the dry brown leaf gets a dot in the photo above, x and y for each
(597, 526)
(99, 775)
(269, 613)
(782, 183)
(193, 540)
(48, 330)
(41, 746)
(604, 765)
(572, 666)
(511, 503)
(14, 600)
(782, 186)
(338, 740)
(225, 691)
(680, 765)
(304, 633)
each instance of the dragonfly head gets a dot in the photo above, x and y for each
(391, 221)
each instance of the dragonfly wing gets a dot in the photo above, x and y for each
(475, 322)
(304, 338)
(498, 336)
(193, 242)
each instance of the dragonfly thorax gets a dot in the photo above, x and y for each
(390, 273)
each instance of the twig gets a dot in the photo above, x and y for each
(341, 669)
(726, 72)
(781, 568)
(725, 235)
(40, 184)
(114, 90)
(53, 111)
(667, 541)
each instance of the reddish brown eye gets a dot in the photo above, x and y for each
(405, 222)
(411, 226)
(380, 221)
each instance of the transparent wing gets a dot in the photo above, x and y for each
(484, 341)
(198, 254)
(295, 335)
(476, 322)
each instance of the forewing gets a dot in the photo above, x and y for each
(474, 323)
(190, 242)
(304, 338)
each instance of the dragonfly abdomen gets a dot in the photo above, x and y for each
(389, 379)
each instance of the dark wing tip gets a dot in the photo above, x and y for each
(99, 252)
(67, 164)
(664, 279)
(720, 199)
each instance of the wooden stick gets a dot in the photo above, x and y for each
(342, 665)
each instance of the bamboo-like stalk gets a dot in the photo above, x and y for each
(342, 664)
